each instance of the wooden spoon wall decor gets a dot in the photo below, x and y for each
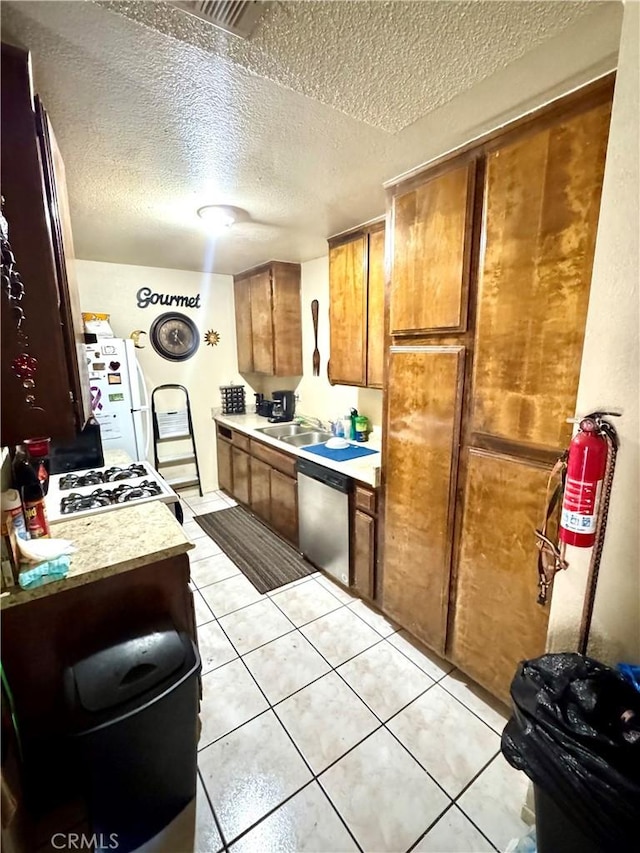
(316, 351)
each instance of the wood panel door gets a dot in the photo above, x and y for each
(287, 320)
(241, 475)
(261, 489)
(424, 403)
(364, 553)
(375, 309)
(496, 620)
(225, 466)
(542, 197)
(244, 335)
(284, 505)
(348, 312)
(262, 322)
(431, 252)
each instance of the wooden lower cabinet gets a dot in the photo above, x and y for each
(496, 573)
(261, 489)
(284, 505)
(364, 554)
(225, 467)
(240, 466)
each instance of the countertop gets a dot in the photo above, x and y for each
(111, 543)
(365, 469)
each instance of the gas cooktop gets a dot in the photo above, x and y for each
(103, 489)
(95, 477)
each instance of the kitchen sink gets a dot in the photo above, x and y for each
(305, 438)
(282, 430)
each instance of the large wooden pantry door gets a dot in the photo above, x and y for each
(468, 449)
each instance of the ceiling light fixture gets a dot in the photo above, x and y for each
(218, 217)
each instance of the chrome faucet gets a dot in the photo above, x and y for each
(304, 419)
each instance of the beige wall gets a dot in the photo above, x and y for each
(610, 379)
(112, 288)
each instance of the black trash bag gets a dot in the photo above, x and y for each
(575, 732)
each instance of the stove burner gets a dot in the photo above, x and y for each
(75, 502)
(94, 478)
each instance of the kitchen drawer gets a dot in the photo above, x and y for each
(278, 460)
(365, 499)
(238, 439)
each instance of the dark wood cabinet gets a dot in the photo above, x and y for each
(268, 320)
(261, 489)
(284, 505)
(364, 554)
(356, 307)
(225, 467)
(37, 212)
(241, 475)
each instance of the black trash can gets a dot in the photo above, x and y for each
(575, 732)
(133, 717)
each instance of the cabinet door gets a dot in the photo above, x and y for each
(241, 474)
(287, 321)
(261, 489)
(348, 312)
(225, 470)
(540, 221)
(26, 209)
(262, 322)
(431, 248)
(244, 337)
(284, 506)
(364, 548)
(55, 184)
(375, 310)
(423, 424)
(496, 620)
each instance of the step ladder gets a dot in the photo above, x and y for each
(175, 426)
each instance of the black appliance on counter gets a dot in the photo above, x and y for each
(83, 452)
(284, 407)
(264, 408)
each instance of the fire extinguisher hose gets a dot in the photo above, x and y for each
(611, 436)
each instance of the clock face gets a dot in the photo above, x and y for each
(174, 336)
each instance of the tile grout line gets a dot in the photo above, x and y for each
(286, 731)
(213, 812)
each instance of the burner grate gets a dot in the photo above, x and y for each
(125, 493)
(95, 478)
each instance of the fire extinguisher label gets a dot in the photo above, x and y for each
(577, 522)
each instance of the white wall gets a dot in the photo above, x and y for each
(111, 288)
(316, 396)
(610, 378)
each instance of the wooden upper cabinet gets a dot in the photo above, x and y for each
(424, 407)
(262, 332)
(268, 320)
(356, 307)
(540, 220)
(32, 181)
(375, 309)
(348, 312)
(244, 338)
(431, 250)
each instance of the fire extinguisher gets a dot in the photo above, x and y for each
(586, 466)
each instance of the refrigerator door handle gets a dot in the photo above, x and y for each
(145, 408)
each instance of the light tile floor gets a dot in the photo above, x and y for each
(326, 729)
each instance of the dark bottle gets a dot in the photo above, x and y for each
(38, 453)
(28, 485)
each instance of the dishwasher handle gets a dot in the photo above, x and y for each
(333, 479)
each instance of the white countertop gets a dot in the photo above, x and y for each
(366, 469)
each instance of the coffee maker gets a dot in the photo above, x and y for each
(284, 407)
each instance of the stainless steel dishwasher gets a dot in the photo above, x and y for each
(323, 517)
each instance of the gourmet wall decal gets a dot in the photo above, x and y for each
(146, 297)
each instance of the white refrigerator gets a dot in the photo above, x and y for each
(119, 398)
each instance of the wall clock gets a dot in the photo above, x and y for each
(174, 336)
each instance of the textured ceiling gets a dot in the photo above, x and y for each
(158, 114)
